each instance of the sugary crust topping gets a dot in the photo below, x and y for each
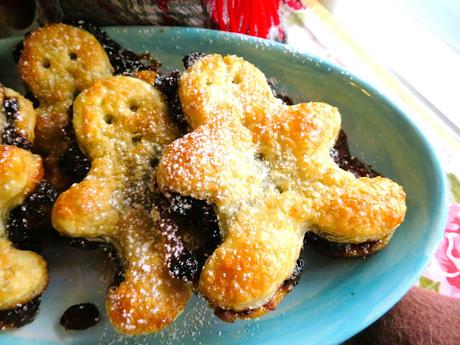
(122, 125)
(20, 172)
(23, 274)
(121, 115)
(267, 168)
(59, 60)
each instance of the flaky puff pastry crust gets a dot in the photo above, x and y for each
(57, 62)
(23, 274)
(266, 167)
(121, 123)
(26, 118)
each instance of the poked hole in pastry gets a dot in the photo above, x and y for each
(73, 56)
(108, 119)
(134, 107)
(136, 138)
(46, 63)
(237, 78)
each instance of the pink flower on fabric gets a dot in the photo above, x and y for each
(448, 253)
(294, 4)
(251, 17)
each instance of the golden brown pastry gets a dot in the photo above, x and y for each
(17, 119)
(266, 167)
(57, 62)
(23, 274)
(121, 123)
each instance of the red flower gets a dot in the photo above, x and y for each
(448, 253)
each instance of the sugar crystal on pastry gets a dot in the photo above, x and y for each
(56, 63)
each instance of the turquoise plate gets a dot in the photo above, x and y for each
(335, 298)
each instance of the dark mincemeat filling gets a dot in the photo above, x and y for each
(124, 61)
(191, 58)
(341, 250)
(192, 233)
(187, 222)
(168, 84)
(345, 160)
(10, 135)
(80, 316)
(73, 162)
(23, 221)
(293, 280)
(19, 316)
(31, 215)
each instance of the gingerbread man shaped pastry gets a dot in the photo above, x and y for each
(121, 123)
(266, 168)
(57, 62)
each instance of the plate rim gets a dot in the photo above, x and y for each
(442, 199)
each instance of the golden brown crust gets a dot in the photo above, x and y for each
(146, 75)
(59, 61)
(20, 171)
(115, 118)
(23, 274)
(232, 315)
(122, 124)
(148, 299)
(266, 166)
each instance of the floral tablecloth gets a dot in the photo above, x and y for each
(443, 272)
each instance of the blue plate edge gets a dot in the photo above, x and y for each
(442, 200)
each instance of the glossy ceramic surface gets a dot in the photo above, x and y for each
(335, 298)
